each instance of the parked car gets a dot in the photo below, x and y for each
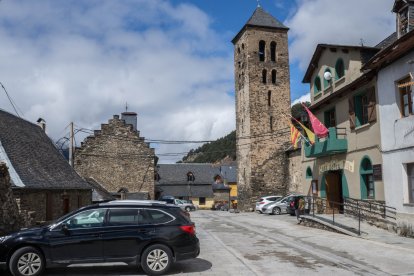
(184, 205)
(277, 207)
(167, 198)
(265, 200)
(291, 205)
(152, 234)
(187, 206)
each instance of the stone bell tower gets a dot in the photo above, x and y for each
(261, 63)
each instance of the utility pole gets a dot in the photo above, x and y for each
(71, 145)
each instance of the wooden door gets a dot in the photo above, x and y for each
(333, 189)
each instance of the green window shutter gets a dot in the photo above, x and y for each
(351, 110)
(372, 113)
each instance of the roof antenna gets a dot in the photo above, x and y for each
(126, 106)
(258, 3)
(361, 42)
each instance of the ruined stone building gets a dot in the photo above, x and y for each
(262, 88)
(118, 159)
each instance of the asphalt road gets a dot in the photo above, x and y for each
(253, 244)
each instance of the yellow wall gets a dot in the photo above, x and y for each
(233, 190)
(208, 205)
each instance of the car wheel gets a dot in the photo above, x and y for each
(188, 209)
(27, 261)
(276, 211)
(156, 259)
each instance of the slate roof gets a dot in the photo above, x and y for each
(261, 18)
(173, 179)
(34, 157)
(392, 52)
(177, 173)
(387, 41)
(229, 173)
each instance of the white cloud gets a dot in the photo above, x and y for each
(301, 99)
(82, 60)
(337, 22)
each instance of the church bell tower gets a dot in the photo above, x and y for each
(261, 63)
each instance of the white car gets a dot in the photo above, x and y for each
(278, 207)
(265, 200)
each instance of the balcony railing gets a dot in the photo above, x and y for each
(335, 143)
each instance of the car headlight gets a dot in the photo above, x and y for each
(4, 238)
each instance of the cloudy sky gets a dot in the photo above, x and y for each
(171, 60)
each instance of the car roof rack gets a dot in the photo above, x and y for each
(135, 202)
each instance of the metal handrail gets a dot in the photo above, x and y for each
(332, 207)
(356, 205)
(386, 209)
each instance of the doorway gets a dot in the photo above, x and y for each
(334, 193)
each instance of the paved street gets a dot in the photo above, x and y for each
(253, 244)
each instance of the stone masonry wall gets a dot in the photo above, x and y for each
(261, 142)
(9, 213)
(117, 157)
(34, 202)
(295, 175)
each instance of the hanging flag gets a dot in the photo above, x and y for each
(318, 128)
(309, 133)
(294, 136)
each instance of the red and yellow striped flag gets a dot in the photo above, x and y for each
(294, 136)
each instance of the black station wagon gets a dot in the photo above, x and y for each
(149, 233)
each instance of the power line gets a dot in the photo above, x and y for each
(10, 100)
(163, 141)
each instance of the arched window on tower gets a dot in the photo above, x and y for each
(262, 50)
(273, 51)
(269, 98)
(274, 76)
(264, 76)
(271, 123)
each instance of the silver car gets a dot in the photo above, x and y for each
(277, 207)
(265, 200)
(185, 205)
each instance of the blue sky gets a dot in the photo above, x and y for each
(172, 60)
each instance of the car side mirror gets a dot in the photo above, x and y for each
(65, 228)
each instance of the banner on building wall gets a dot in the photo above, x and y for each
(335, 165)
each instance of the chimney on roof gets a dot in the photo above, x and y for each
(42, 124)
(130, 118)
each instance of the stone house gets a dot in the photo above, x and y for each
(10, 219)
(42, 181)
(194, 181)
(262, 85)
(393, 67)
(118, 158)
